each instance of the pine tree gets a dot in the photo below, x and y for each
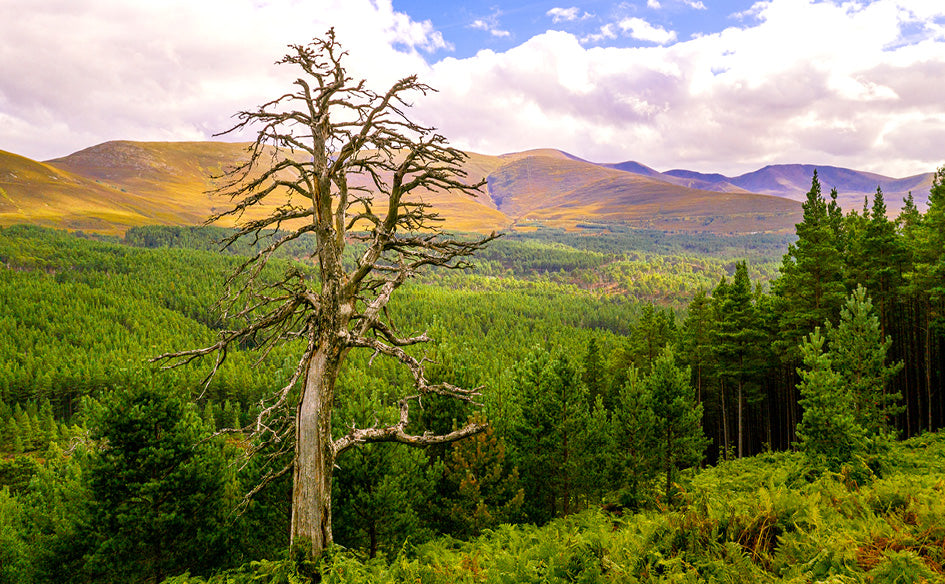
(677, 416)
(596, 451)
(927, 286)
(646, 339)
(157, 489)
(548, 434)
(635, 429)
(877, 257)
(11, 433)
(594, 377)
(46, 427)
(810, 289)
(483, 488)
(697, 341)
(382, 495)
(737, 336)
(858, 353)
(829, 433)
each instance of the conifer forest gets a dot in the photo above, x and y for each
(657, 407)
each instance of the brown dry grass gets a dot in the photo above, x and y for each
(112, 186)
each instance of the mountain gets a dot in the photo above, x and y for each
(793, 181)
(566, 192)
(634, 167)
(112, 186)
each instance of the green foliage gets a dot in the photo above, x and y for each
(17, 472)
(15, 565)
(549, 432)
(381, 491)
(156, 486)
(810, 289)
(80, 317)
(481, 489)
(677, 418)
(858, 352)
(844, 390)
(829, 432)
(746, 520)
(634, 437)
(737, 340)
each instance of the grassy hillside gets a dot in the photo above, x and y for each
(112, 186)
(43, 194)
(563, 192)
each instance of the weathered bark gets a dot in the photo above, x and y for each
(314, 454)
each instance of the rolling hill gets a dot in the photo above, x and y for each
(115, 185)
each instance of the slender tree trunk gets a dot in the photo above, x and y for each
(768, 415)
(314, 458)
(372, 532)
(928, 368)
(724, 419)
(741, 432)
(941, 398)
(668, 461)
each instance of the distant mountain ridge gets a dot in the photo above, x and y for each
(115, 185)
(793, 181)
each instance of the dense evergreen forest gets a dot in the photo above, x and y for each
(615, 363)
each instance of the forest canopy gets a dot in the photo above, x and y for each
(576, 349)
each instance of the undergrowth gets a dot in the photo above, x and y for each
(760, 519)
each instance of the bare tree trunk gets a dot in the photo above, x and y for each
(928, 368)
(768, 431)
(314, 462)
(724, 419)
(668, 461)
(372, 533)
(741, 432)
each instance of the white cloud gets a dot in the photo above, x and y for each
(799, 81)
(490, 24)
(860, 95)
(567, 14)
(694, 4)
(490, 27)
(644, 31)
(606, 32)
(562, 14)
(78, 72)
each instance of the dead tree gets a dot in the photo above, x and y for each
(346, 166)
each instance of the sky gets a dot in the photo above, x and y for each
(707, 85)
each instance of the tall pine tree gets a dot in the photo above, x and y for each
(677, 418)
(738, 332)
(810, 289)
(858, 352)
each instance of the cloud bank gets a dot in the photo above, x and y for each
(847, 84)
(850, 84)
(79, 72)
